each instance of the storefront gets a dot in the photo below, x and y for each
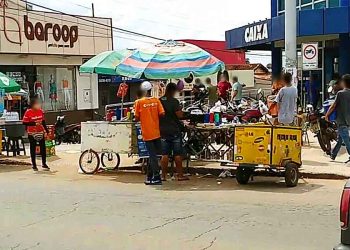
(325, 22)
(43, 52)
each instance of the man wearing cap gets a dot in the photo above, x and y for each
(148, 110)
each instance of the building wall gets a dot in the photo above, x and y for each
(35, 32)
(218, 49)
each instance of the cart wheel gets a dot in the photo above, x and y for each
(243, 175)
(291, 174)
(89, 162)
(110, 161)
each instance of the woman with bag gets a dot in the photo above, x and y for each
(37, 130)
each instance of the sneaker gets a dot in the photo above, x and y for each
(157, 180)
(148, 181)
(45, 167)
(35, 169)
(333, 157)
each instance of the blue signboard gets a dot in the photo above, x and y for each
(141, 145)
(117, 79)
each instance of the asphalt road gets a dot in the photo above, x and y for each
(59, 210)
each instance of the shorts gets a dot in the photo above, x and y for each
(53, 96)
(172, 145)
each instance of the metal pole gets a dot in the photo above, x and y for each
(291, 38)
(93, 9)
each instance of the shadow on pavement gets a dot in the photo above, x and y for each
(200, 183)
(13, 168)
(315, 163)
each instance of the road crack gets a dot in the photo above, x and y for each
(163, 225)
(210, 244)
(206, 232)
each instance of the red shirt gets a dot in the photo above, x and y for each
(223, 88)
(36, 116)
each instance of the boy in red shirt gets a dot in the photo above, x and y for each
(36, 127)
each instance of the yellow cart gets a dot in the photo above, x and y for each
(276, 149)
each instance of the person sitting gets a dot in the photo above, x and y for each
(286, 100)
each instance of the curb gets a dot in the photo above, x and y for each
(217, 172)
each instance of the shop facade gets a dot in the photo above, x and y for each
(43, 51)
(325, 22)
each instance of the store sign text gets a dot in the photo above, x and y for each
(255, 33)
(41, 32)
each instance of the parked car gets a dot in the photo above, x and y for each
(344, 219)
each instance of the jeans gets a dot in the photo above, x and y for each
(33, 144)
(154, 147)
(343, 137)
(172, 145)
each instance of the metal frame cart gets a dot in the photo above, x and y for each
(102, 142)
(274, 149)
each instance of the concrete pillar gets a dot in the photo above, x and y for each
(291, 36)
(344, 54)
(276, 61)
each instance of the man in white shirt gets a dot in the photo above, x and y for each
(287, 101)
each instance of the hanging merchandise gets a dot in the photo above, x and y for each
(53, 93)
(66, 92)
(122, 90)
(38, 89)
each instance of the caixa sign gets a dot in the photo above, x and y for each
(41, 32)
(256, 33)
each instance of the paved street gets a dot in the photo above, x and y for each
(62, 209)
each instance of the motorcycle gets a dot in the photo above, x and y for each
(67, 133)
(325, 131)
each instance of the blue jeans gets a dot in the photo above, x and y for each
(172, 145)
(153, 148)
(343, 137)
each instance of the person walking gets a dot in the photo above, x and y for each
(286, 100)
(148, 110)
(237, 91)
(171, 132)
(341, 105)
(34, 120)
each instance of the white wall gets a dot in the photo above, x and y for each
(87, 91)
(244, 76)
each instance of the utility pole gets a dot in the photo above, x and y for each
(291, 38)
(93, 9)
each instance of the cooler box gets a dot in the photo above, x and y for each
(326, 106)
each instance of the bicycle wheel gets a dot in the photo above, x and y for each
(110, 161)
(89, 162)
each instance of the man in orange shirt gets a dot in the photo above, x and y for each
(148, 110)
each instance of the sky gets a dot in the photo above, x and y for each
(170, 19)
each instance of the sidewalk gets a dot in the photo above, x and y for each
(315, 163)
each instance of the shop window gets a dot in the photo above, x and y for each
(306, 2)
(281, 5)
(333, 3)
(320, 5)
(55, 86)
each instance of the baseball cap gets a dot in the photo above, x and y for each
(146, 86)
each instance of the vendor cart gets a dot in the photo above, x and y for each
(274, 149)
(102, 142)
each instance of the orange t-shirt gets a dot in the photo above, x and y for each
(148, 110)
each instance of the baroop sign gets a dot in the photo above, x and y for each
(256, 33)
(41, 32)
